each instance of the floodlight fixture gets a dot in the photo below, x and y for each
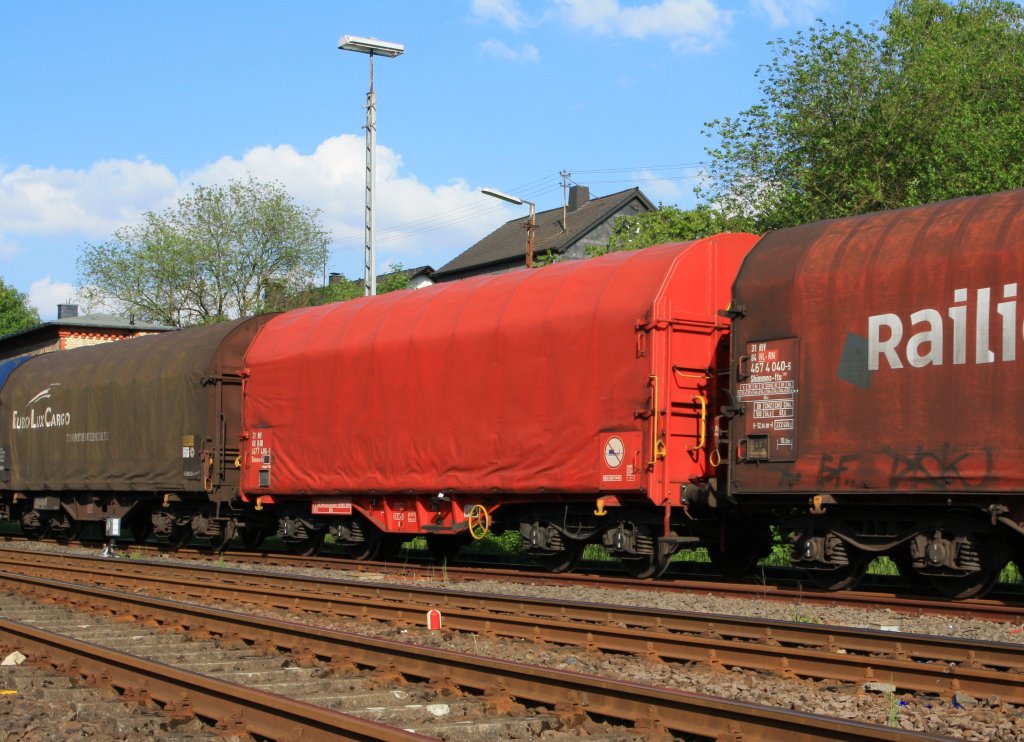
(366, 45)
(531, 224)
(503, 196)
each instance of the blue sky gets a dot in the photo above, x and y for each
(110, 108)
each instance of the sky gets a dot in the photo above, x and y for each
(112, 108)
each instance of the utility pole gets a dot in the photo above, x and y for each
(386, 49)
(565, 198)
(531, 224)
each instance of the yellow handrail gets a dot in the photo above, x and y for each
(679, 372)
(657, 446)
(703, 401)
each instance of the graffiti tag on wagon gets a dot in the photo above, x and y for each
(922, 469)
(945, 469)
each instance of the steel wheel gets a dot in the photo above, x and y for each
(967, 586)
(309, 546)
(180, 536)
(368, 548)
(842, 578)
(252, 537)
(564, 560)
(905, 566)
(648, 567)
(68, 534)
(992, 557)
(36, 527)
(989, 552)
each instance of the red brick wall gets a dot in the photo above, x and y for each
(70, 339)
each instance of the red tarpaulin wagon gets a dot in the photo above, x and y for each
(573, 403)
(875, 367)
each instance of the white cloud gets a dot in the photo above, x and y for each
(691, 24)
(658, 189)
(40, 201)
(91, 203)
(332, 179)
(501, 50)
(45, 295)
(8, 249)
(506, 12)
(789, 12)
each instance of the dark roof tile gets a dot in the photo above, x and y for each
(508, 242)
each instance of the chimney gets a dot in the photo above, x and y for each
(578, 196)
(334, 278)
(64, 311)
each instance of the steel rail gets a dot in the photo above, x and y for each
(653, 710)
(235, 708)
(989, 609)
(907, 661)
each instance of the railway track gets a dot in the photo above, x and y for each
(228, 708)
(565, 702)
(907, 662)
(1009, 609)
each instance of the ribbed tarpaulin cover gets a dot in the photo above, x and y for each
(941, 410)
(499, 383)
(112, 417)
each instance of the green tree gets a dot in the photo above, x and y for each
(15, 312)
(928, 108)
(220, 253)
(667, 224)
(342, 289)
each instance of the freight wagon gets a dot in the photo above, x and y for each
(867, 406)
(876, 366)
(573, 404)
(145, 431)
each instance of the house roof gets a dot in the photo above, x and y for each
(423, 270)
(410, 273)
(88, 323)
(508, 242)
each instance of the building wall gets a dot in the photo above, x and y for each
(62, 339)
(420, 281)
(599, 235)
(70, 340)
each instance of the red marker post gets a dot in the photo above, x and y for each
(434, 620)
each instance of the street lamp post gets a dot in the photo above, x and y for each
(384, 49)
(531, 225)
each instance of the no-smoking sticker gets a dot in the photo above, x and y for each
(614, 452)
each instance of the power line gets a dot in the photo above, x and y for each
(640, 168)
(653, 179)
(531, 190)
(451, 218)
